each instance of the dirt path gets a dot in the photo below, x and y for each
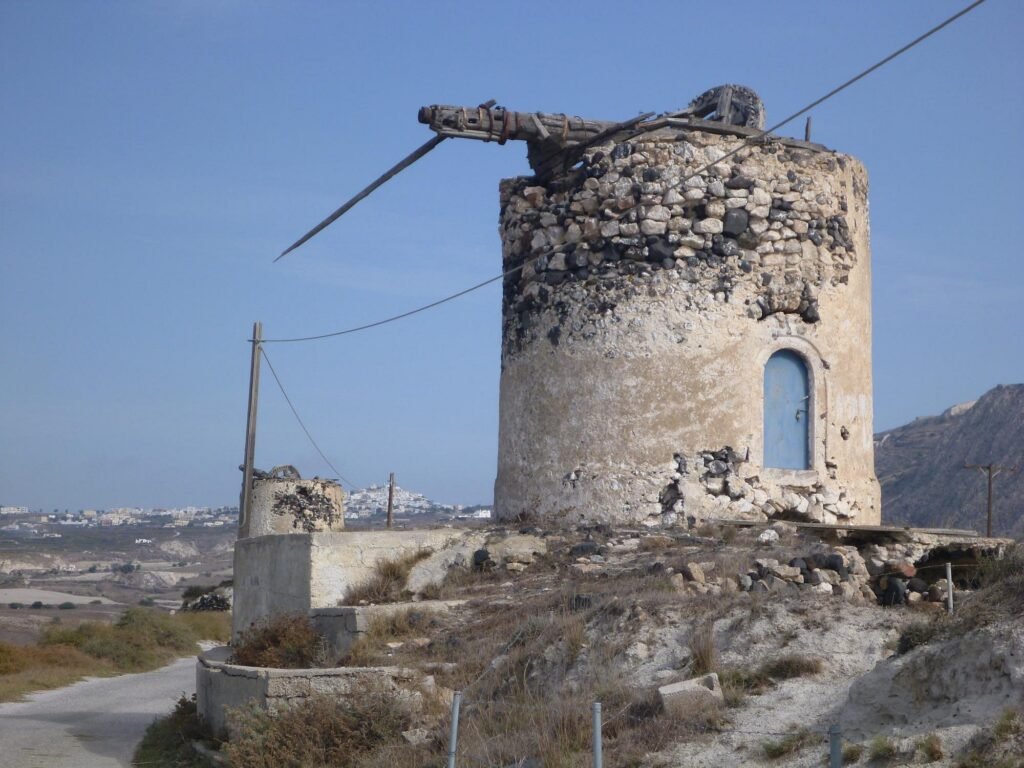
(96, 723)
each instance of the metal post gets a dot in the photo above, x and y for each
(391, 496)
(250, 431)
(807, 129)
(453, 739)
(835, 746)
(949, 587)
(597, 735)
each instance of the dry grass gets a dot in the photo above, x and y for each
(930, 747)
(387, 584)
(790, 744)
(287, 641)
(882, 749)
(140, 640)
(25, 669)
(704, 654)
(321, 731)
(738, 682)
(1000, 746)
(1001, 597)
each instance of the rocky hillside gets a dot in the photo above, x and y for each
(920, 465)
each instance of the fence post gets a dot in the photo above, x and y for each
(598, 763)
(453, 739)
(835, 746)
(949, 587)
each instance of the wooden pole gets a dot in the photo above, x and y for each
(391, 496)
(807, 129)
(991, 470)
(250, 431)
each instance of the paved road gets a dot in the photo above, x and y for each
(96, 723)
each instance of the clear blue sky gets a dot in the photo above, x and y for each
(155, 157)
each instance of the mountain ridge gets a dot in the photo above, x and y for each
(920, 465)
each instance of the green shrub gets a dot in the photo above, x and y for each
(15, 606)
(196, 590)
(67, 606)
(852, 753)
(37, 604)
(168, 740)
(147, 602)
(288, 642)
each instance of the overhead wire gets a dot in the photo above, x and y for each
(302, 424)
(745, 142)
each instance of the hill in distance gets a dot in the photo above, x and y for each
(921, 466)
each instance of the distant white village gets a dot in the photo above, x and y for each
(359, 504)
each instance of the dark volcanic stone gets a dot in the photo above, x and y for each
(652, 174)
(739, 182)
(583, 549)
(660, 250)
(480, 559)
(735, 222)
(895, 592)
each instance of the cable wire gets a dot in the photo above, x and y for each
(745, 142)
(298, 418)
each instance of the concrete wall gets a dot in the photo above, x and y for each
(342, 627)
(221, 687)
(635, 337)
(297, 573)
(271, 576)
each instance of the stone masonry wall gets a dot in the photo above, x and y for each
(635, 335)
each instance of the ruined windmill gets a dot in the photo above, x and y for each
(686, 317)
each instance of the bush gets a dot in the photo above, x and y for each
(15, 606)
(321, 730)
(67, 606)
(37, 604)
(287, 642)
(917, 633)
(139, 640)
(196, 590)
(147, 602)
(168, 741)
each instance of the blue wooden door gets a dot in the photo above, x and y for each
(786, 412)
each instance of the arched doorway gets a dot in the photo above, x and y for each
(787, 421)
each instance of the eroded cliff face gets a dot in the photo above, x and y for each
(643, 310)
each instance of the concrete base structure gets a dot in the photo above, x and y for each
(298, 573)
(221, 687)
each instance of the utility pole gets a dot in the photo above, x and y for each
(991, 470)
(250, 429)
(391, 496)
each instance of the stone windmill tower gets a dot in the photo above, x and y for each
(684, 337)
(686, 318)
